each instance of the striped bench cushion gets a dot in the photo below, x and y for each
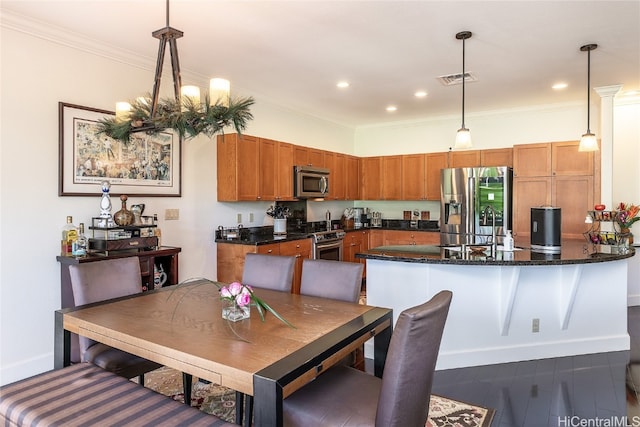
(86, 395)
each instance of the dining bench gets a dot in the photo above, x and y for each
(84, 394)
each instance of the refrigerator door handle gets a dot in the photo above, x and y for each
(470, 211)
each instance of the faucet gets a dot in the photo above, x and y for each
(494, 243)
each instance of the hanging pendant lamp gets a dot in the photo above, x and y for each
(588, 142)
(463, 137)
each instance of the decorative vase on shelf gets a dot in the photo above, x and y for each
(233, 312)
(124, 216)
(280, 226)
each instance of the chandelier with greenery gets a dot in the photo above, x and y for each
(185, 114)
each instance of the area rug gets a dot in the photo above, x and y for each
(221, 401)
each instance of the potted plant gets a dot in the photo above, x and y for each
(280, 214)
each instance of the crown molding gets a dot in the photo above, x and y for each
(62, 36)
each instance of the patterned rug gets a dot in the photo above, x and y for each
(221, 401)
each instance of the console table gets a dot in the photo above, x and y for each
(166, 257)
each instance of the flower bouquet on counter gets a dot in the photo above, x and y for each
(279, 212)
(626, 214)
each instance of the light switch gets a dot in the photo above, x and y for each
(172, 214)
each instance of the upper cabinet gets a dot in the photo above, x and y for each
(414, 177)
(434, 163)
(464, 159)
(532, 160)
(305, 156)
(371, 168)
(497, 157)
(567, 160)
(238, 163)
(392, 178)
(352, 173)
(251, 168)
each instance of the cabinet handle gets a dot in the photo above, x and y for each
(269, 251)
(298, 255)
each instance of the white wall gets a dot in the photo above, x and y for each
(37, 73)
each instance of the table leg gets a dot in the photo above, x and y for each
(267, 402)
(381, 347)
(62, 343)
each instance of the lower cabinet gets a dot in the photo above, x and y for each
(354, 242)
(230, 258)
(410, 237)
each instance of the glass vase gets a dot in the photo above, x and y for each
(234, 312)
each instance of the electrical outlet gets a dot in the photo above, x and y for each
(239, 218)
(535, 325)
(251, 217)
(172, 214)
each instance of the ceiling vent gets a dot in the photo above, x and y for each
(456, 79)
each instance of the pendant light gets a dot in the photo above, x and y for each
(463, 137)
(588, 142)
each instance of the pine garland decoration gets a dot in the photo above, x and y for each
(186, 118)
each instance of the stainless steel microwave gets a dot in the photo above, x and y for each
(310, 182)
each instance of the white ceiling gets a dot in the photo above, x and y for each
(294, 52)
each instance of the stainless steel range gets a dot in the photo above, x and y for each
(328, 244)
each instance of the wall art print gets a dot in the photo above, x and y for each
(148, 166)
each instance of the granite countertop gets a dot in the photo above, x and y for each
(572, 252)
(264, 235)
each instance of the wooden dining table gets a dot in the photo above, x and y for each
(182, 327)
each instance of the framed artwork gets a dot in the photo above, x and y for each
(149, 165)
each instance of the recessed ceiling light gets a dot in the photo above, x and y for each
(391, 108)
(420, 94)
(343, 84)
(559, 86)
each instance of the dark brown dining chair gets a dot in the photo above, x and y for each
(269, 271)
(331, 279)
(104, 280)
(344, 396)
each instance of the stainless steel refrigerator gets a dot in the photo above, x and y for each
(469, 197)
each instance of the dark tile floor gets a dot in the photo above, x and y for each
(594, 389)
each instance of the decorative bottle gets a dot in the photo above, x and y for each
(69, 235)
(124, 216)
(508, 242)
(79, 247)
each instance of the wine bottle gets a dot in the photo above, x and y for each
(69, 235)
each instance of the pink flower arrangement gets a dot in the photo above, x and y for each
(242, 296)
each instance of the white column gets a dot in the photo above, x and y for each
(607, 94)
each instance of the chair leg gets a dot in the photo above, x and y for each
(141, 380)
(239, 407)
(187, 380)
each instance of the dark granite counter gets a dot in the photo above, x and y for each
(572, 252)
(264, 235)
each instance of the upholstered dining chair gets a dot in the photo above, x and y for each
(269, 271)
(344, 396)
(331, 279)
(100, 281)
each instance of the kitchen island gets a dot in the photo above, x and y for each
(516, 306)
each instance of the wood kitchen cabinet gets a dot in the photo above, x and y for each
(301, 249)
(284, 172)
(376, 237)
(231, 256)
(391, 178)
(335, 162)
(352, 172)
(414, 177)
(555, 174)
(306, 156)
(410, 237)
(434, 163)
(238, 163)
(371, 168)
(497, 157)
(464, 159)
(354, 242)
(267, 169)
